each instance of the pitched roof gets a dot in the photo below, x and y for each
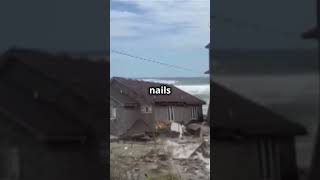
(42, 119)
(59, 95)
(76, 73)
(121, 98)
(141, 88)
(232, 111)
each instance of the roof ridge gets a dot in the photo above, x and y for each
(178, 96)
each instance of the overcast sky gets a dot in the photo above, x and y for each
(170, 31)
(63, 25)
(271, 24)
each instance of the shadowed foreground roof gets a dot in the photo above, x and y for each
(233, 112)
(84, 76)
(51, 95)
(141, 88)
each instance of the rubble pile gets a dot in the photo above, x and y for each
(155, 155)
(183, 158)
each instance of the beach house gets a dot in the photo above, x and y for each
(52, 116)
(251, 141)
(133, 110)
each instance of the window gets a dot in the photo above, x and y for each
(170, 113)
(146, 109)
(113, 113)
(194, 113)
(9, 163)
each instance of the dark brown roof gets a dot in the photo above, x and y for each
(141, 88)
(231, 111)
(54, 95)
(40, 118)
(87, 78)
(121, 98)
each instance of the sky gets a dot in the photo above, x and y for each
(170, 31)
(271, 24)
(54, 25)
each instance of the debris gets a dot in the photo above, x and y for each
(187, 158)
(194, 127)
(181, 151)
(113, 138)
(205, 160)
(179, 128)
(155, 155)
(137, 137)
(160, 125)
(174, 127)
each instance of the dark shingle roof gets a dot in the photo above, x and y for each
(87, 78)
(142, 89)
(121, 98)
(43, 118)
(54, 95)
(231, 111)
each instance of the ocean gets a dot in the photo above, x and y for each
(196, 86)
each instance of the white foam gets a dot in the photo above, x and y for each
(195, 89)
(160, 81)
(203, 89)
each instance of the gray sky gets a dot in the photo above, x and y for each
(54, 24)
(170, 31)
(277, 23)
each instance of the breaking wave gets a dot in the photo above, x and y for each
(195, 89)
(202, 91)
(160, 81)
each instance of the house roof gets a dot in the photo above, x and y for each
(41, 119)
(121, 98)
(59, 96)
(75, 73)
(208, 46)
(232, 111)
(141, 88)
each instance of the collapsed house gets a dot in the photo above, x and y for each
(251, 142)
(52, 116)
(134, 111)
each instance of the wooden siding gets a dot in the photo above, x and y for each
(149, 118)
(181, 113)
(238, 157)
(125, 117)
(276, 162)
(37, 160)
